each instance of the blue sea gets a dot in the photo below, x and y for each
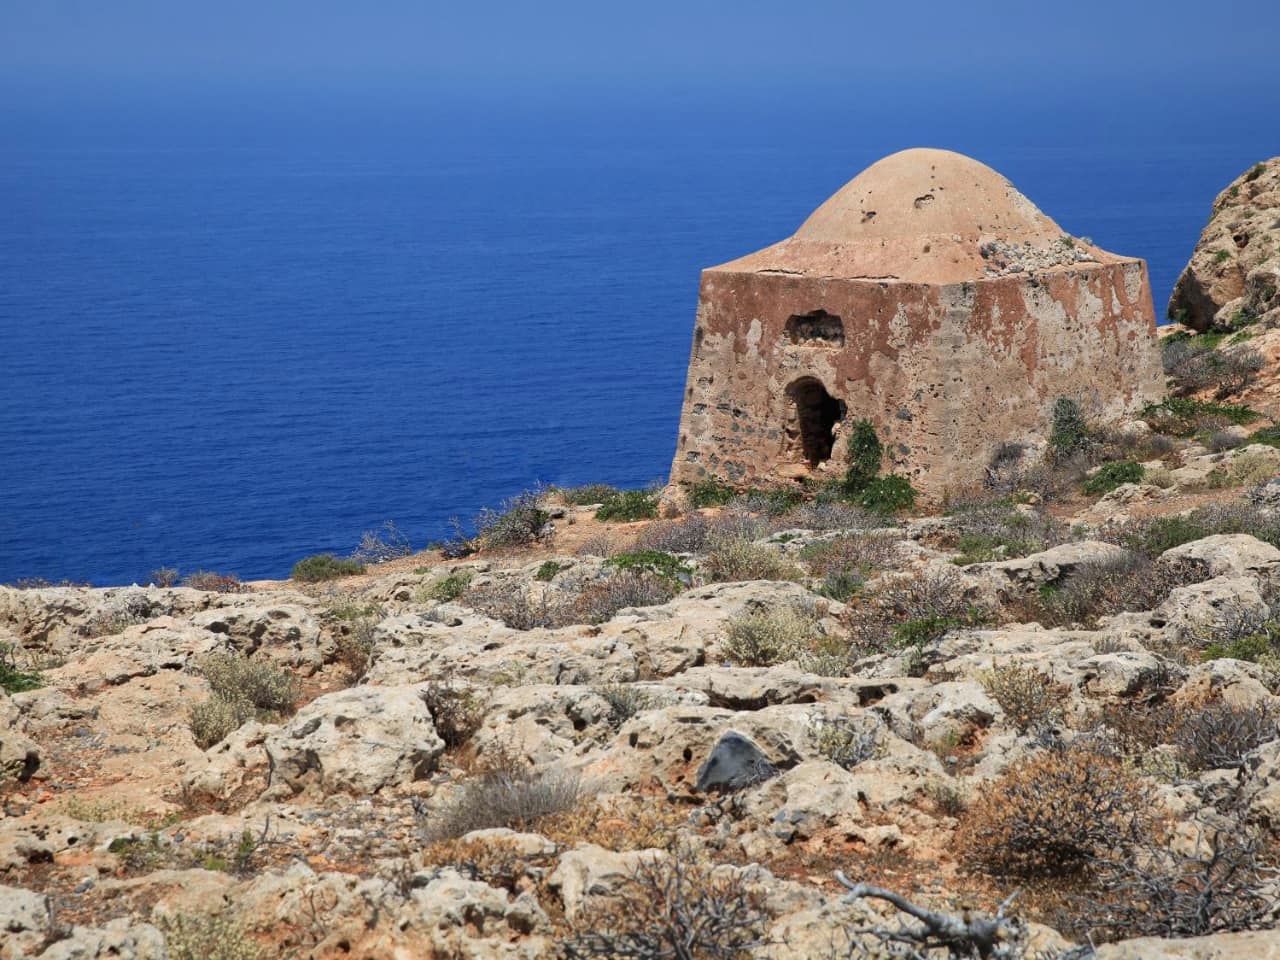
(228, 343)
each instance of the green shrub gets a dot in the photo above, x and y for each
(12, 679)
(865, 457)
(886, 495)
(1185, 416)
(547, 571)
(1268, 435)
(1112, 475)
(651, 561)
(325, 566)
(587, 495)
(627, 506)
(1263, 645)
(213, 720)
(922, 631)
(1069, 433)
(520, 521)
(446, 588)
(710, 493)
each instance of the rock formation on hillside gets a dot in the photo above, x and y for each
(1233, 277)
(928, 296)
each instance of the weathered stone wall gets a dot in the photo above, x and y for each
(946, 373)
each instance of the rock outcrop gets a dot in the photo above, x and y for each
(1233, 277)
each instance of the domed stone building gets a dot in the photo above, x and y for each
(928, 296)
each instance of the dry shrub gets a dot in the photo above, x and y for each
(830, 515)
(456, 711)
(1225, 883)
(676, 907)
(909, 611)
(213, 582)
(206, 937)
(505, 792)
(1051, 814)
(1103, 588)
(844, 562)
(737, 559)
(594, 602)
(353, 647)
(599, 600)
(625, 701)
(767, 636)
(241, 690)
(497, 862)
(1029, 701)
(1218, 735)
(686, 535)
(639, 825)
(599, 545)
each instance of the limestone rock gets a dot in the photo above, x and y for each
(1046, 567)
(24, 922)
(117, 940)
(1230, 555)
(358, 740)
(592, 871)
(1233, 270)
(1251, 945)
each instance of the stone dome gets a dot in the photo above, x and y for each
(924, 216)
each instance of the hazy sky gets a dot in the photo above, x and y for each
(819, 49)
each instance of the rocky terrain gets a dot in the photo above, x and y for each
(1039, 719)
(592, 735)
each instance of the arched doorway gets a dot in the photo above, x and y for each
(816, 413)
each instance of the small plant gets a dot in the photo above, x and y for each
(710, 493)
(456, 711)
(627, 506)
(764, 637)
(1051, 814)
(12, 678)
(651, 561)
(379, 546)
(325, 566)
(353, 647)
(1185, 416)
(597, 602)
(163, 576)
(507, 792)
(447, 588)
(847, 743)
(1029, 701)
(208, 936)
(625, 701)
(1222, 256)
(1112, 475)
(547, 571)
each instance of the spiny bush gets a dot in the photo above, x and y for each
(764, 637)
(844, 562)
(456, 711)
(1112, 475)
(1102, 588)
(546, 571)
(1153, 536)
(1029, 701)
(1218, 735)
(627, 506)
(1069, 432)
(734, 559)
(1195, 364)
(378, 546)
(674, 906)
(325, 566)
(866, 454)
(1224, 883)
(985, 529)
(686, 535)
(847, 742)
(827, 514)
(163, 576)
(599, 600)
(507, 792)
(353, 647)
(1051, 814)
(519, 521)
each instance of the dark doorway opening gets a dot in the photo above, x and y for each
(818, 326)
(817, 413)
